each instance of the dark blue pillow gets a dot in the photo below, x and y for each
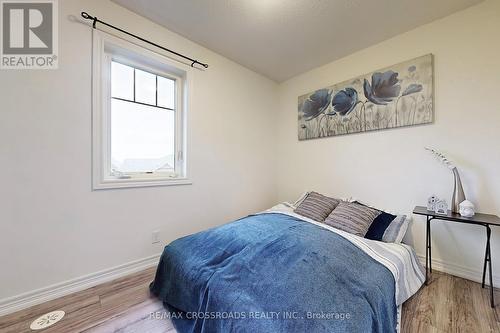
(379, 225)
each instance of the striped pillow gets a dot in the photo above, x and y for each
(352, 217)
(316, 206)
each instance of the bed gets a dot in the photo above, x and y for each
(278, 271)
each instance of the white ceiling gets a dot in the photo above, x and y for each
(283, 38)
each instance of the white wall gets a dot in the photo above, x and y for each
(390, 168)
(53, 227)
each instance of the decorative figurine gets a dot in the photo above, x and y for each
(441, 207)
(467, 208)
(431, 203)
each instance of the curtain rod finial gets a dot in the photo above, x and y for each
(199, 63)
(86, 16)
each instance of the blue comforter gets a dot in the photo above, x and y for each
(273, 273)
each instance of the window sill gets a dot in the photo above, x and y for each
(131, 183)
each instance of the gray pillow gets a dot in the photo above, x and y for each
(316, 206)
(352, 217)
(396, 230)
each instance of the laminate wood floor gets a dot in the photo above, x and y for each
(447, 304)
(451, 304)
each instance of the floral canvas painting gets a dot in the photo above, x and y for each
(397, 96)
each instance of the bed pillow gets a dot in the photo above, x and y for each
(379, 226)
(387, 227)
(301, 198)
(316, 206)
(396, 230)
(352, 217)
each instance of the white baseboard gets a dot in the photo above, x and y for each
(460, 271)
(28, 299)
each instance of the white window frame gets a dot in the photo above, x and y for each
(105, 49)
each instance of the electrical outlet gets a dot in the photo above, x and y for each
(155, 237)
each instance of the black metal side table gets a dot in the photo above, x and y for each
(485, 220)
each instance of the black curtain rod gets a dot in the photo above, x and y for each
(94, 19)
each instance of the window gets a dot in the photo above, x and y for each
(138, 116)
(142, 121)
